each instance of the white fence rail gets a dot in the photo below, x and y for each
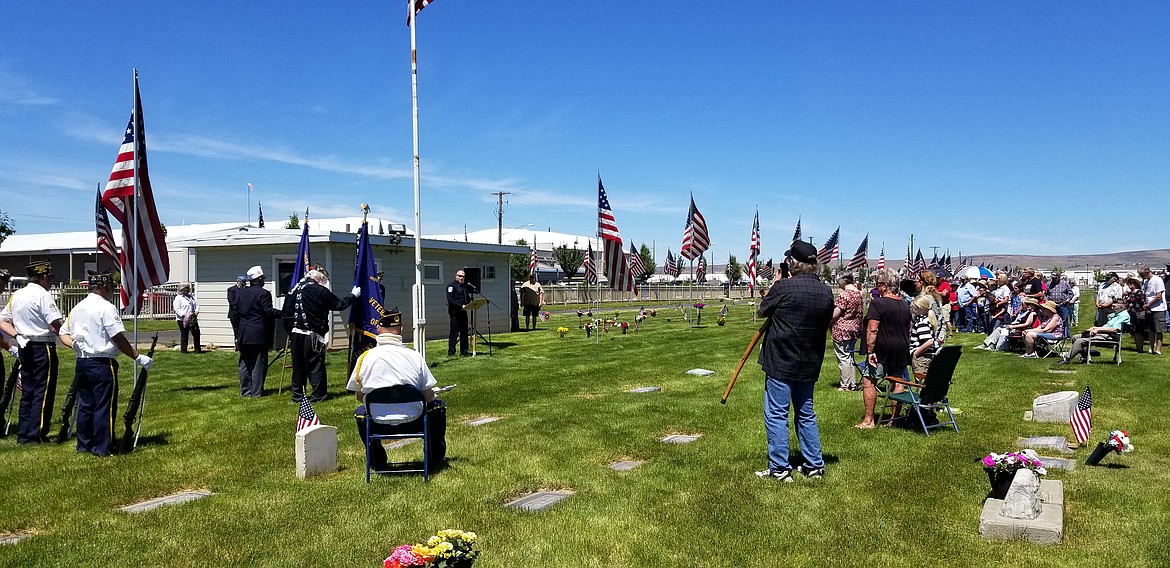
(157, 302)
(582, 294)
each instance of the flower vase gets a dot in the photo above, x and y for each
(1001, 481)
(698, 317)
(1098, 454)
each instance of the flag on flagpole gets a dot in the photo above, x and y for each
(670, 267)
(532, 257)
(768, 271)
(590, 267)
(882, 258)
(836, 251)
(105, 234)
(250, 188)
(261, 218)
(934, 261)
(858, 260)
(414, 7)
(616, 267)
(753, 252)
(701, 269)
(826, 253)
(1082, 417)
(367, 309)
(128, 196)
(796, 233)
(637, 265)
(919, 262)
(305, 415)
(301, 268)
(695, 237)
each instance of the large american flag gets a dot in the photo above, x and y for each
(590, 265)
(532, 258)
(305, 416)
(617, 270)
(670, 267)
(105, 234)
(147, 258)
(882, 258)
(1082, 417)
(695, 239)
(829, 251)
(796, 233)
(858, 260)
(637, 265)
(753, 252)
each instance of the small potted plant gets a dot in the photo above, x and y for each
(562, 331)
(450, 548)
(1001, 468)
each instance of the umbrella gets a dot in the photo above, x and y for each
(976, 273)
(941, 272)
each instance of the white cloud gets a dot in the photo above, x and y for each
(17, 91)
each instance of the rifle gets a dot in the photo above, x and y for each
(7, 399)
(751, 347)
(67, 411)
(133, 417)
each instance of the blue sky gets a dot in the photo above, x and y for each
(982, 127)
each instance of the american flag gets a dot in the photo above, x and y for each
(768, 272)
(882, 258)
(701, 269)
(305, 416)
(753, 252)
(147, 258)
(532, 258)
(796, 234)
(1082, 417)
(416, 6)
(637, 265)
(829, 251)
(671, 265)
(858, 260)
(695, 238)
(934, 261)
(260, 220)
(105, 234)
(617, 270)
(590, 267)
(919, 262)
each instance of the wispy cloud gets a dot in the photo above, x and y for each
(17, 91)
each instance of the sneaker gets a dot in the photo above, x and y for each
(1030, 356)
(1155, 352)
(1064, 361)
(783, 475)
(811, 472)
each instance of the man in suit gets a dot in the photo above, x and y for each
(458, 297)
(233, 312)
(256, 332)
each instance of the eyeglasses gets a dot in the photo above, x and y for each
(460, 275)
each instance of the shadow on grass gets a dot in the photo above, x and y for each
(159, 439)
(202, 388)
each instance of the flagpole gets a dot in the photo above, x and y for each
(249, 207)
(134, 216)
(597, 267)
(419, 293)
(694, 282)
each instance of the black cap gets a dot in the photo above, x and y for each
(802, 252)
(101, 278)
(5, 274)
(39, 268)
(392, 318)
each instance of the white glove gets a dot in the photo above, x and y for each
(22, 341)
(145, 362)
(357, 290)
(14, 350)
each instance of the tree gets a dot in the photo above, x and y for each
(294, 222)
(519, 263)
(569, 259)
(7, 227)
(648, 260)
(734, 270)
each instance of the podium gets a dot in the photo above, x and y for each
(472, 307)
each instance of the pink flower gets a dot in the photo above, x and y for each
(402, 557)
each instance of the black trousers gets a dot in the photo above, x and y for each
(253, 368)
(38, 378)
(97, 393)
(458, 330)
(191, 329)
(436, 433)
(308, 362)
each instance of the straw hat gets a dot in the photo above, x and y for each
(1049, 305)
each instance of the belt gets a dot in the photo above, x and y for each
(43, 341)
(84, 356)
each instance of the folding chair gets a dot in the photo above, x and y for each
(1110, 340)
(1053, 347)
(396, 394)
(931, 393)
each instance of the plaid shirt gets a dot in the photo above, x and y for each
(1061, 294)
(799, 310)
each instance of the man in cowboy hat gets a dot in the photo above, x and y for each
(32, 317)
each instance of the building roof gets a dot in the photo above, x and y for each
(545, 240)
(240, 236)
(86, 241)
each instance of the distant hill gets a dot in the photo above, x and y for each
(1156, 259)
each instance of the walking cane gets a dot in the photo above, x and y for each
(751, 347)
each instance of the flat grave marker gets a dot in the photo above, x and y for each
(14, 538)
(538, 501)
(1058, 443)
(175, 499)
(645, 389)
(482, 421)
(701, 372)
(625, 465)
(400, 443)
(680, 438)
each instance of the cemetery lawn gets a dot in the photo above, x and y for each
(891, 497)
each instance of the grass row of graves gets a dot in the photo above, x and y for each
(892, 496)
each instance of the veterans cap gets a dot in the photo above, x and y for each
(5, 274)
(255, 272)
(803, 252)
(241, 278)
(392, 318)
(101, 279)
(39, 268)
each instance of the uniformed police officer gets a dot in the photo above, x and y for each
(307, 309)
(32, 317)
(457, 298)
(95, 332)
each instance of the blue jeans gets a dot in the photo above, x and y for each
(1063, 311)
(778, 395)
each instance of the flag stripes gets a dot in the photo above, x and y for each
(753, 252)
(1082, 417)
(695, 237)
(637, 265)
(590, 265)
(105, 233)
(827, 252)
(859, 260)
(617, 270)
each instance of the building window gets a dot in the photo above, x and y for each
(284, 270)
(487, 271)
(432, 272)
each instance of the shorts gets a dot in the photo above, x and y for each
(531, 311)
(1048, 336)
(1157, 322)
(920, 364)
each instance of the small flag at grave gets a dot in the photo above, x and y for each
(305, 416)
(1082, 417)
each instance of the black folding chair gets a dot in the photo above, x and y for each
(395, 395)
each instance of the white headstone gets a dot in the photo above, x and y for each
(1023, 497)
(1055, 407)
(701, 372)
(316, 450)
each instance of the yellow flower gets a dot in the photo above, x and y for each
(443, 549)
(426, 554)
(435, 540)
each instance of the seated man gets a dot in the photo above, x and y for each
(388, 364)
(1111, 331)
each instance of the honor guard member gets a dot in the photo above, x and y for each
(32, 317)
(95, 332)
(233, 309)
(307, 307)
(187, 317)
(457, 298)
(257, 319)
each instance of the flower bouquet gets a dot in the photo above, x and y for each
(698, 312)
(625, 326)
(1118, 442)
(562, 331)
(721, 321)
(450, 548)
(1001, 468)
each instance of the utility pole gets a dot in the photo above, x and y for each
(500, 216)
(934, 250)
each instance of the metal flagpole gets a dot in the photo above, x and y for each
(418, 291)
(694, 281)
(134, 217)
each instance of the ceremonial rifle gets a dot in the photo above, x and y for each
(134, 408)
(7, 399)
(751, 347)
(67, 411)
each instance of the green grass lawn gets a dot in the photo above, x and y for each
(892, 497)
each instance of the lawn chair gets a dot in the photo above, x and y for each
(931, 393)
(396, 394)
(1053, 347)
(1109, 341)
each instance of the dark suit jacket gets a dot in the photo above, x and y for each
(256, 316)
(233, 311)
